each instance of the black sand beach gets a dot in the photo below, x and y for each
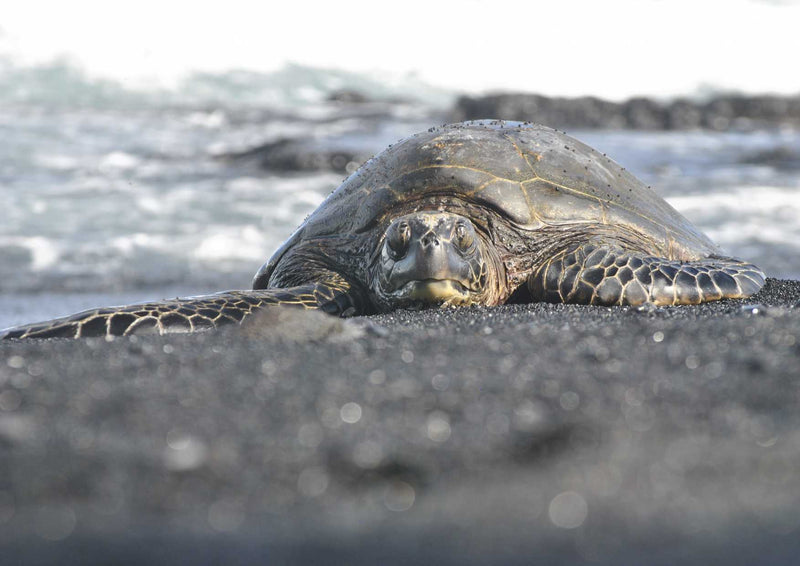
(521, 434)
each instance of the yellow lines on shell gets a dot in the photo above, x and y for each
(579, 192)
(494, 179)
(524, 156)
(463, 167)
(482, 186)
(533, 212)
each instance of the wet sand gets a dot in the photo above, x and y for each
(513, 435)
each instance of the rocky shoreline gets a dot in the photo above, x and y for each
(359, 113)
(720, 113)
(508, 435)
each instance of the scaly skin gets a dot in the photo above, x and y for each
(184, 315)
(593, 274)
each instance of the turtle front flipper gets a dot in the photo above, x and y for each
(188, 314)
(609, 275)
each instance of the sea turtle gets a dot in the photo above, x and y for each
(482, 212)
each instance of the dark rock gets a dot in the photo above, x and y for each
(751, 110)
(783, 158)
(683, 115)
(348, 96)
(723, 112)
(288, 154)
(645, 114)
(561, 112)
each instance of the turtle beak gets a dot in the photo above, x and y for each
(437, 291)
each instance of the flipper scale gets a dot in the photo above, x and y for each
(611, 275)
(186, 314)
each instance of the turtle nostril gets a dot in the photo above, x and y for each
(430, 240)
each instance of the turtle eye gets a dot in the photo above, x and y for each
(398, 238)
(465, 237)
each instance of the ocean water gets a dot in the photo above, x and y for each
(111, 196)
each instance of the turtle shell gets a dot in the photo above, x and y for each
(528, 175)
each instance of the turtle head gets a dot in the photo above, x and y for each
(434, 258)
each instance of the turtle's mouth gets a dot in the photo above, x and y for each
(436, 291)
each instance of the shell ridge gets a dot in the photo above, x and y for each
(524, 156)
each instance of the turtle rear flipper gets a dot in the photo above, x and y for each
(609, 275)
(188, 314)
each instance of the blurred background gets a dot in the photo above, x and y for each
(158, 149)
